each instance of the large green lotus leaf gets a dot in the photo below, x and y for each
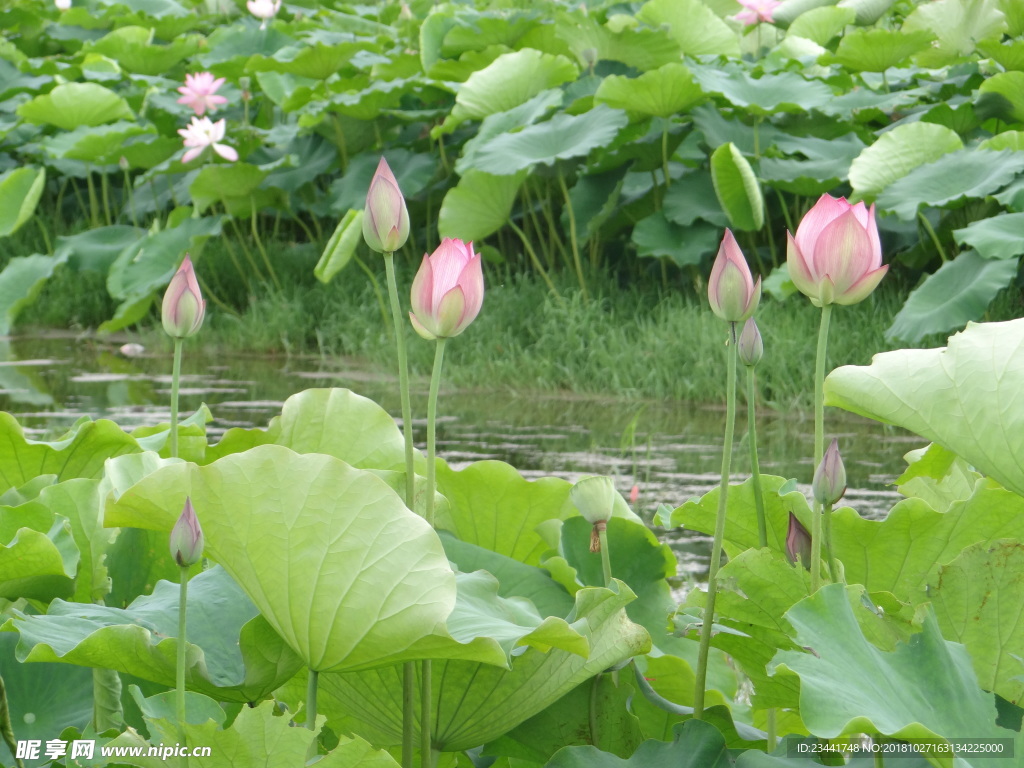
(655, 236)
(258, 736)
(1009, 54)
(955, 396)
(897, 152)
(639, 47)
(957, 292)
(821, 24)
(696, 745)
(967, 173)
(995, 237)
(598, 712)
(868, 11)
(221, 183)
(662, 92)
(958, 25)
(317, 61)
(902, 553)
(36, 564)
(309, 530)
(560, 138)
(527, 113)
(903, 693)
(232, 652)
(20, 190)
(479, 205)
(493, 506)
(937, 476)
(876, 50)
(977, 602)
(737, 188)
(755, 589)
(473, 703)
(741, 515)
(693, 25)
(21, 281)
(515, 579)
(765, 95)
(70, 105)
(44, 699)
(101, 144)
(692, 197)
(133, 49)
(788, 11)
(594, 199)
(510, 80)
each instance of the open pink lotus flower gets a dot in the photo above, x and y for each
(448, 290)
(836, 256)
(183, 307)
(200, 92)
(755, 11)
(731, 289)
(202, 133)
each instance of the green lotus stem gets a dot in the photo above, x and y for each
(94, 204)
(105, 189)
(175, 380)
(819, 442)
(606, 559)
(772, 736)
(572, 234)
(259, 246)
(826, 518)
(595, 683)
(933, 235)
(311, 687)
(716, 547)
(435, 383)
(755, 469)
(664, 151)
(409, 668)
(245, 248)
(179, 696)
(536, 262)
(45, 233)
(426, 747)
(131, 197)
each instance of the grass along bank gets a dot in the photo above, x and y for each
(627, 340)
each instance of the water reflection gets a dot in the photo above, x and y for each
(670, 450)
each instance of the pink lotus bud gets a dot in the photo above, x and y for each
(200, 92)
(750, 346)
(448, 290)
(385, 218)
(798, 543)
(187, 537)
(830, 478)
(756, 11)
(183, 309)
(836, 256)
(732, 291)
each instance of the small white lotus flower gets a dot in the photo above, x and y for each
(202, 133)
(263, 9)
(62, 5)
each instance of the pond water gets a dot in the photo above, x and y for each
(672, 451)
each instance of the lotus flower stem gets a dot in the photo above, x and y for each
(45, 233)
(311, 688)
(606, 558)
(245, 249)
(933, 235)
(572, 234)
(426, 748)
(179, 695)
(716, 547)
(105, 189)
(409, 668)
(130, 192)
(826, 518)
(94, 204)
(755, 469)
(175, 380)
(259, 245)
(664, 151)
(536, 262)
(819, 442)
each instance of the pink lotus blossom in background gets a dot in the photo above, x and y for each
(263, 9)
(200, 92)
(448, 290)
(202, 133)
(756, 11)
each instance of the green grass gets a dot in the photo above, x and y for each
(641, 341)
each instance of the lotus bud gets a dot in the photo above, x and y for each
(595, 498)
(836, 255)
(731, 289)
(448, 290)
(750, 347)
(830, 478)
(187, 537)
(798, 543)
(183, 307)
(385, 218)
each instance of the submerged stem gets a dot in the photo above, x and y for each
(716, 547)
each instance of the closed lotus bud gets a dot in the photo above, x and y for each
(448, 290)
(183, 307)
(594, 497)
(830, 478)
(750, 347)
(385, 218)
(187, 537)
(798, 543)
(731, 289)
